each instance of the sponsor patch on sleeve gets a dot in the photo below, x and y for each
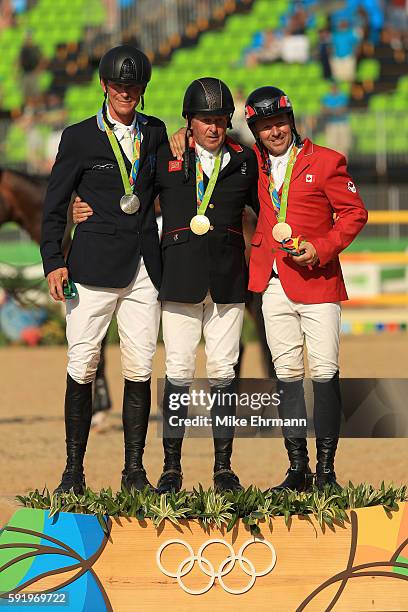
(351, 187)
(175, 165)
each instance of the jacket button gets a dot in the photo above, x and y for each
(211, 205)
(211, 227)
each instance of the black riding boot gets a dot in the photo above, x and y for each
(299, 476)
(172, 477)
(224, 477)
(292, 405)
(78, 413)
(135, 417)
(327, 419)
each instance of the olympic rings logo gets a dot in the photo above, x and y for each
(224, 568)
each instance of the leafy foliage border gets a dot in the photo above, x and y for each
(329, 507)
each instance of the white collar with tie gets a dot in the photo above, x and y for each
(278, 167)
(124, 134)
(207, 158)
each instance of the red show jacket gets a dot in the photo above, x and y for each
(320, 186)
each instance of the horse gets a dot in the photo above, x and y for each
(21, 201)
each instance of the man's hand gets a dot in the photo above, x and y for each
(309, 257)
(55, 281)
(177, 143)
(80, 210)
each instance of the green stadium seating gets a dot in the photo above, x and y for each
(368, 70)
(16, 144)
(380, 102)
(217, 53)
(403, 86)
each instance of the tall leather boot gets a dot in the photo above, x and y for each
(135, 418)
(171, 478)
(327, 419)
(225, 478)
(78, 414)
(292, 405)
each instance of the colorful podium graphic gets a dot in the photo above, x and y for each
(68, 560)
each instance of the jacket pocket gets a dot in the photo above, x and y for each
(175, 237)
(256, 239)
(97, 228)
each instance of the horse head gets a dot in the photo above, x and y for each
(21, 200)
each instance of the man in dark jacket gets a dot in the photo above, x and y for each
(204, 271)
(109, 161)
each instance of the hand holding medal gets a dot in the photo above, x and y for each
(293, 246)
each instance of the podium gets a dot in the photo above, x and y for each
(69, 560)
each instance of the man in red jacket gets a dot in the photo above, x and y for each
(310, 211)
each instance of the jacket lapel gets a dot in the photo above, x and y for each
(303, 159)
(104, 138)
(144, 147)
(235, 150)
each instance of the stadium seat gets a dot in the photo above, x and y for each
(379, 102)
(368, 70)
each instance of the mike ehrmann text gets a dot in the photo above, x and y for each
(256, 420)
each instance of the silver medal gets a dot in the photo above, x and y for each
(130, 203)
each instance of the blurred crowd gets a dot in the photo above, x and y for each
(351, 30)
(348, 28)
(72, 63)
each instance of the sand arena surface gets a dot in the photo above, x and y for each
(32, 448)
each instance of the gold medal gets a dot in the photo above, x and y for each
(281, 231)
(130, 203)
(200, 224)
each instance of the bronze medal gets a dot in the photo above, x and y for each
(281, 231)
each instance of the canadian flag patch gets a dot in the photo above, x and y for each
(310, 178)
(175, 165)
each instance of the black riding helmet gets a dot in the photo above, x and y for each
(269, 102)
(126, 65)
(206, 96)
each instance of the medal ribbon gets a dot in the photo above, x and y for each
(128, 181)
(203, 198)
(280, 204)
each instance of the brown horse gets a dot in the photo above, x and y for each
(21, 201)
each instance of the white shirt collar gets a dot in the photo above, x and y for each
(121, 127)
(204, 153)
(281, 159)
